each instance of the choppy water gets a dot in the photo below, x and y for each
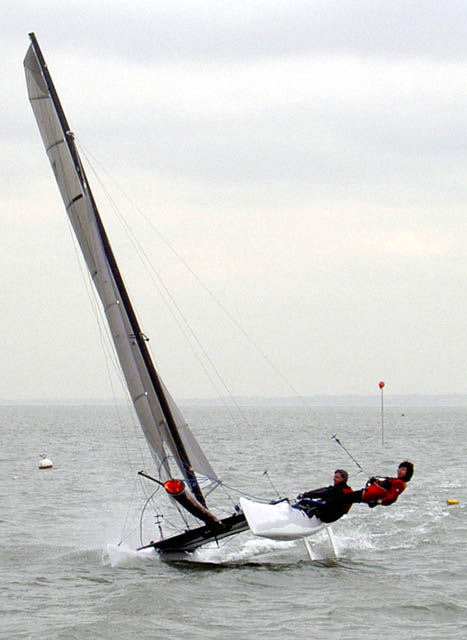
(401, 569)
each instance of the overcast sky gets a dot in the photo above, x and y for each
(306, 160)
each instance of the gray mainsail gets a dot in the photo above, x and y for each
(166, 431)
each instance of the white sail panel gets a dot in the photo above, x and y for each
(57, 150)
(199, 461)
(79, 205)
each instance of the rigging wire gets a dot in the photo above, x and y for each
(266, 473)
(149, 499)
(175, 310)
(202, 284)
(244, 493)
(124, 525)
(107, 346)
(156, 278)
(110, 357)
(216, 300)
(336, 439)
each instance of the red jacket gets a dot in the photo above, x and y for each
(384, 490)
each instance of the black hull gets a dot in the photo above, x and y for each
(194, 538)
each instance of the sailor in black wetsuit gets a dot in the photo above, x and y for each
(328, 503)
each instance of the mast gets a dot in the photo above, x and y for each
(137, 335)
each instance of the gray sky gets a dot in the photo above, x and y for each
(307, 160)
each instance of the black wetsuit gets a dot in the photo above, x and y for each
(328, 503)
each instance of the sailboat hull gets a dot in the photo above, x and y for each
(195, 538)
(279, 521)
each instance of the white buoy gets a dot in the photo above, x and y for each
(45, 463)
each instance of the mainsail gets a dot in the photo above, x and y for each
(165, 429)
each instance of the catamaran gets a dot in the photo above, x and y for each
(173, 446)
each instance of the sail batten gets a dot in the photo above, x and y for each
(161, 421)
(72, 202)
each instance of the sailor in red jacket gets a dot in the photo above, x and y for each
(384, 491)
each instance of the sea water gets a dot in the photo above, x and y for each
(69, 569)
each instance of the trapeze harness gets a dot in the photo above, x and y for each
(383, 491)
